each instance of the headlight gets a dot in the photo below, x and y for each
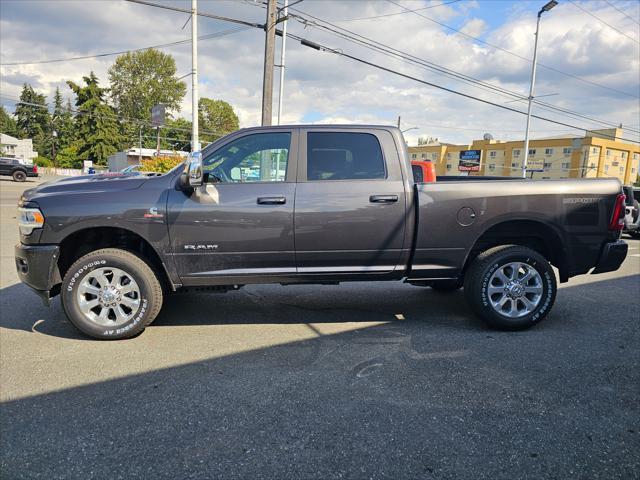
(28, 219)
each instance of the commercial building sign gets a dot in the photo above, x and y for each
(470, 161)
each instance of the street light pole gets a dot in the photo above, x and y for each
(546, 8)
(195, 141)
(282, 52)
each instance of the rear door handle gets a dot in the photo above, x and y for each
(383, 198)
(272, 200)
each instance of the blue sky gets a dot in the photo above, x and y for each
(322, 87)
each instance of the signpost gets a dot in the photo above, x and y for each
(470, 160)
(157, 120)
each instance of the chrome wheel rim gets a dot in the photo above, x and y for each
(515, 289)
(108, 296)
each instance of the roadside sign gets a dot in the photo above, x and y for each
(470, 161)
(157, 115)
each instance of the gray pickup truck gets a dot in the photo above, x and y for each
(313, 204)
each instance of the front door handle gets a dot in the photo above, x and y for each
(383, 198)
(272, 200)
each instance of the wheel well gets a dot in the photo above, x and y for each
(529, 233)
(88, 240)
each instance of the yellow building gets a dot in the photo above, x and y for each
(599, 153)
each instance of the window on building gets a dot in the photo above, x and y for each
(621, 169)
(434, 156)
(448, 166)
(344, 156)
(594, 150)
(546, 178)
(493, 154)
(492, 167)
(516, 152)
(566, 150)
(592, 165)
(606, 168)
(608, 153)
(515, 164)
(424, 155)
(546, 165)
(636, 156)
(624, 154)
(532, 151)
(414, 156)
(566, 165)
(548, 151)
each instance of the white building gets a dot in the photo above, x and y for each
(15, 148)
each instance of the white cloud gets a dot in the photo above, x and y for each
(322, 87)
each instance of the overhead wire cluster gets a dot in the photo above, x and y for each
(309, 20)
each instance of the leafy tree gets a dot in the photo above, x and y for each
(98, 130)
(216, 118)
(178, 135)
(140, 80)
(8, 124)
(33, 119)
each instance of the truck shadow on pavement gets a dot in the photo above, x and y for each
(394, 400)
(264, 304)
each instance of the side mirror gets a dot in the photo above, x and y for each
(194, 172)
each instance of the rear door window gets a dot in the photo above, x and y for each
(344, 156)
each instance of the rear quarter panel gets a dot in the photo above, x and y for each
(577, 210)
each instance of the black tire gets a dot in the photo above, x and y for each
(445, 286)
(635, 234)
(477, 282)
(149, 293)
(19, 176)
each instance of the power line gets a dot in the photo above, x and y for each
(338, 52)
(99, 55)
(603, 22)
(385, 49)
(622, 12)
(584, 80)
(317, 46)
(396, 13)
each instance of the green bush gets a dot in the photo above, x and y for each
(42, 161)
(68, 157)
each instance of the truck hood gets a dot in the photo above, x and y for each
(86, 184)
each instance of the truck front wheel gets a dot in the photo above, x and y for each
(510, 287)
(111, 294)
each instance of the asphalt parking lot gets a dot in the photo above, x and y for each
(353, 381)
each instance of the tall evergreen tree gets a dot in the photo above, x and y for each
(33, 119)
(8, 124)
(97, 127)
(62, 120)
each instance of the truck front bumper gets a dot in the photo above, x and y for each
(612, 256)
(37, 267)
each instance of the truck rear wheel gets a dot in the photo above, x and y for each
(510, 287)
(111, 294)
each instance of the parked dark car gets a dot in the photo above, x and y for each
(310, 204)
(16, 169)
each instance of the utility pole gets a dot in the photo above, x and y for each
(195, 141)
(398, 121)
(282, 52)
(140, 141)
(157, 141)
(269, 52)
(546, 8)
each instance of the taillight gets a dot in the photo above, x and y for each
(35, 168)
(617, 217)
